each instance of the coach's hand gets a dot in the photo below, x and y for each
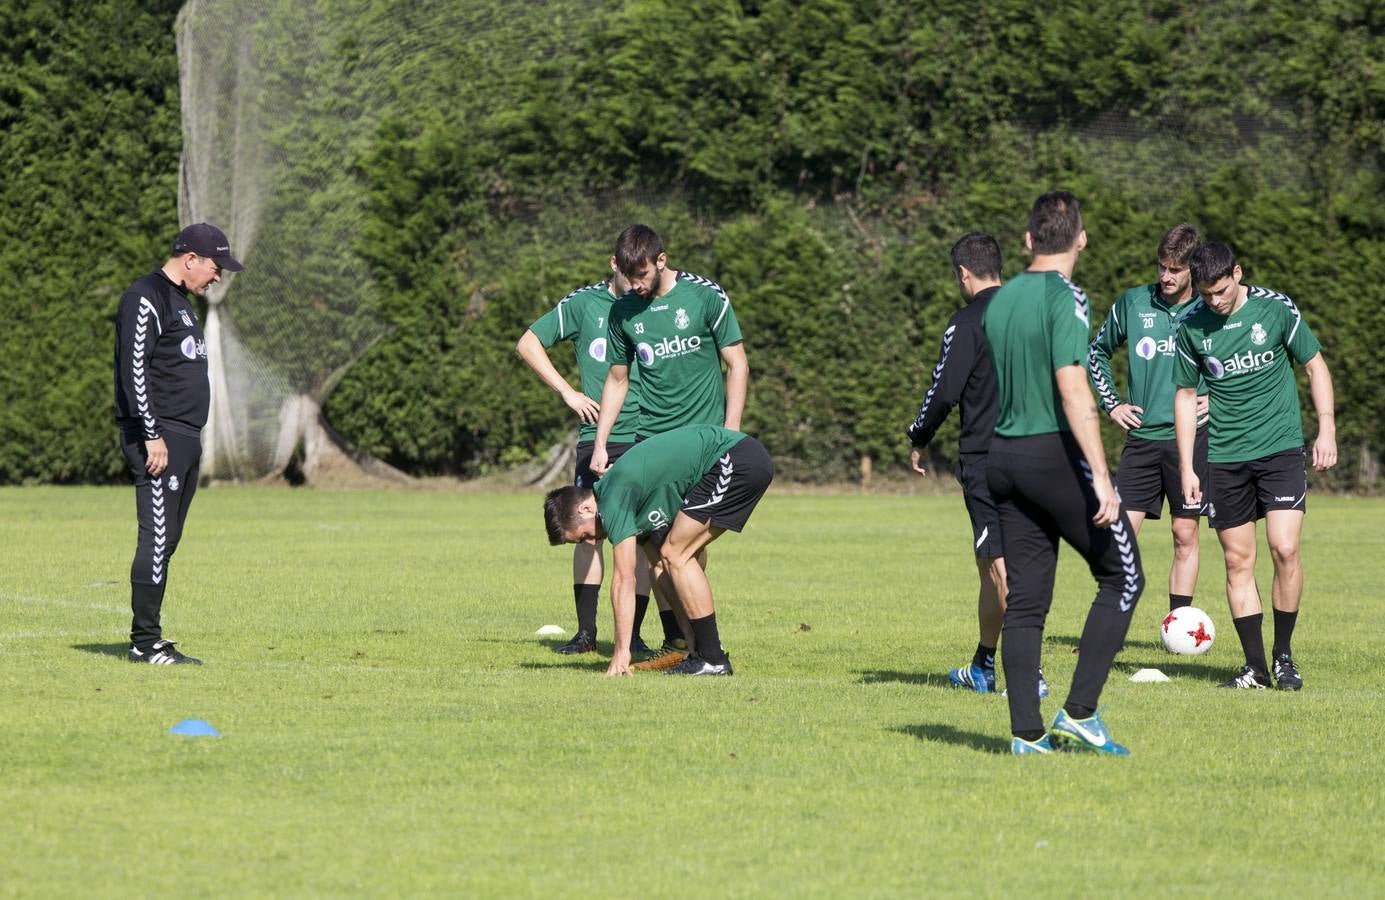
(1108, 502)
(620, 662)
(916, 460)
(1192, 488)
(1127, 415)
(586, 408)
(156, 456)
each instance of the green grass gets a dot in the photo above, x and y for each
(391, 726)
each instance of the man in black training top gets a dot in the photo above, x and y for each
(161, 400)
(964, 376)
(1047, 472)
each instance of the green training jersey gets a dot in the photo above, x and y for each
(1036, 324)
(581, 317)
(645, 488)
(676, 339)
(1244, 358)
(1149, 322)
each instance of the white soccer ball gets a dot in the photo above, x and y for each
(1187, 631)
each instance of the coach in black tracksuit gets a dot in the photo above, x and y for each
(161, 400)
(964, 377)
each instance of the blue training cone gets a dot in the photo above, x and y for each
(194, 728)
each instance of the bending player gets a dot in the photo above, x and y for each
(671, 495)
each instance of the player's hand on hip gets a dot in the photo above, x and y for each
(586, 408)
(155, 456)
(1204, 406)
(916, 460)
(620, 662)
(1126, 415)
(1108, 503)
(1324, 453)
(599, 463)
(1192, 489)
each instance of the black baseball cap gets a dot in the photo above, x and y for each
(207, 240)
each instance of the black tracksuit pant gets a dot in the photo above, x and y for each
(161, 506)
(1043, 490)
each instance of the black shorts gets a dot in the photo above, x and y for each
(584, 476)
(727, 494)
(1149, 473)
(1244, 491)
(985, 520)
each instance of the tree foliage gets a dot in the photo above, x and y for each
(817, 159)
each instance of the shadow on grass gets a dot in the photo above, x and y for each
(591, 663)
(889, 676)
(118, 650)
(946, 734)
(1073, 640)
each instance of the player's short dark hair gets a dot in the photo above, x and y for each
(637, 245)
(1055, 221)
(1178, 244)
(560, 511)
(979, 253)
(1211, 262)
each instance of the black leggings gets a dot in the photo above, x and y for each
(1043, 490)
(161, 506)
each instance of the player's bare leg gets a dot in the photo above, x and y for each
(1183, 574)
(1137, 518)
(1283, 530)
(1238, 550)
(680, 554)
(990, 600)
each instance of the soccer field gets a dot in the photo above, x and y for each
(391, 725)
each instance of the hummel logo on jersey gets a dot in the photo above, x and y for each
(1257, 334)
(1230, 325)
(1285, 499)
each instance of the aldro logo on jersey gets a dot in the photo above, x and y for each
(1240, 364)
(1148, 347)
(669, 347)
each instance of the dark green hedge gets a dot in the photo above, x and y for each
(817, 159)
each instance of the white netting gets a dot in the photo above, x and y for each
(280, 100)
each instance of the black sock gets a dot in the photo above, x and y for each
(708, 641)
(1284, 631)
(641, 607)
(673, 632)
(984, 657)
(1177, 600)
(586, 596)
(1030, 736)
(1252, 641)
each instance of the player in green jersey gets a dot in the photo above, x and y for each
(680, 328)
(671, 495)
(1146, 317)
(1240, 340)
(581, 317)
(1047, 473)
